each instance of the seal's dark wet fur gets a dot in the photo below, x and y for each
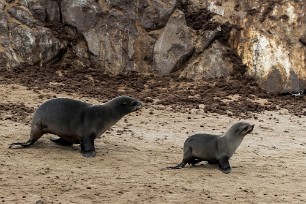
(77, 122)
(215, 149)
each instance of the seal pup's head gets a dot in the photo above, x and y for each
(124, 104)
(241, 129)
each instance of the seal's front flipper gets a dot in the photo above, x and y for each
(224, 165)
(61, 141)
(23, 144)
(89, 154)
(88, 146)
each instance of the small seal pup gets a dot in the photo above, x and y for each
(215, 149)
(77, 122)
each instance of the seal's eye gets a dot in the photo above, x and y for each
(134, 103)
(124, 103)
(237, 130)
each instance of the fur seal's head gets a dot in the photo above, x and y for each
(241, 129)
(124, 104)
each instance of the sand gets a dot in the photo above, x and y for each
(268, 167)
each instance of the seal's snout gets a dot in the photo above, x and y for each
(251, 127)
(137, 105)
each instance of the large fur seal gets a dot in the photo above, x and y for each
(215, 149)
(77, 122)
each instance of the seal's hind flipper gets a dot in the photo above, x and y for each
(179, 166)
(61, 141)
(23, 144)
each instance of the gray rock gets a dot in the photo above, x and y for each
(4, 38)
(23, 15)
(53, 11)
(37, 8)
(8, 59)
(35, 45)
(173, 45)
(83, 14)
(210, 64)
(156, 14)
(112, 41)
(43, 10)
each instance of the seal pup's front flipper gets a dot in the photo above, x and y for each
(88, 146)
(224, 165)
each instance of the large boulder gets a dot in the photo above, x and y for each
(46, 10)
(155, 15)
(8, 58)
(209, 64)
(269, 43)
(174, 44)
(111, 41)
(83, 14)
(4, 35)
(119, 41)
(35, 45)
(24, 39)
(22, 15)
(273, 65)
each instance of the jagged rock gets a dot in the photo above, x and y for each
(35, 45)
(143, 51)
(8, 58)
(121, 35)
(156, 14)
(37, 8)
(174, 44)
(81, 50)
(112, 40)
(29, 42)
(46, 10)
(23, 15)
(53, 11)
(211, 63)
(82, 14)
(4, 37)
(269, 43)
(119, 43)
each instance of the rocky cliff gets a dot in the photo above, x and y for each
(193, 38)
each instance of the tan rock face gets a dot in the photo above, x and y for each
(269, 37)
(269, 43)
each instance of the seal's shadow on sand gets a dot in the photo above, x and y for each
(52, 148)
(201, 165)
(204, 165)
